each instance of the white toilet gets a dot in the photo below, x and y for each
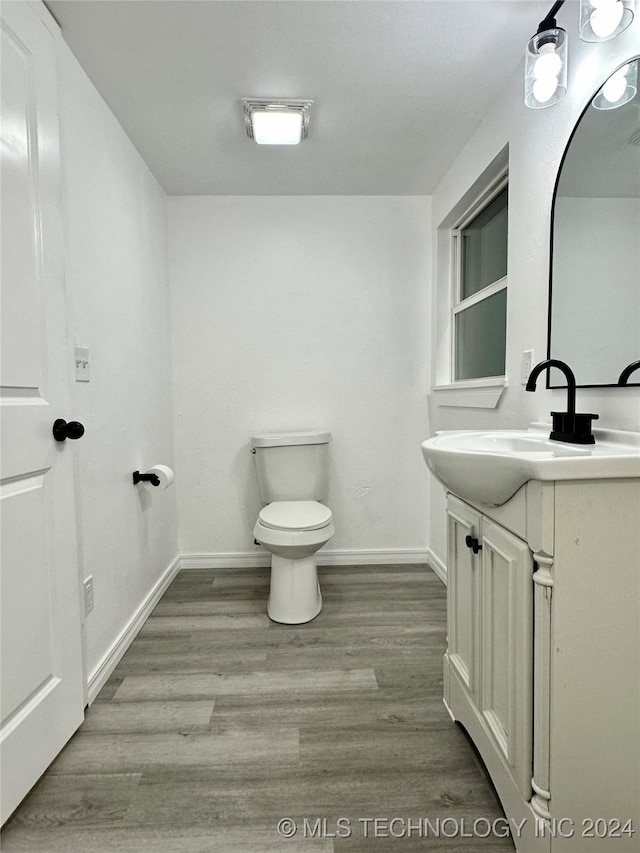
(293, 476)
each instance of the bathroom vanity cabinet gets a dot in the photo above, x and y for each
(543, 660)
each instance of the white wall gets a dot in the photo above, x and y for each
(536, 140)
(293, 313)
(116, 275)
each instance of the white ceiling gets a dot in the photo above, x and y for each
(399, 85)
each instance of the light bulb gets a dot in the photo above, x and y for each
(606, 17)
(616, 85)
(544, 89)
(548, 64)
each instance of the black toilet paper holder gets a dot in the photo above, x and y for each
(145, 478)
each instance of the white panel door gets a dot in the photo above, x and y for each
(41, 667)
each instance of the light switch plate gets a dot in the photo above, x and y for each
(88, 594)
(527, 365)
(82, 364)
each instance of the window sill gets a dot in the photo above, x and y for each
(472, 393)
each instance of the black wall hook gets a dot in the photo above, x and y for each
(145, 478)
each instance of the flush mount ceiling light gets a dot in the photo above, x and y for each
(603, 19)
(276, 122)
(619, 89)
(546, 63)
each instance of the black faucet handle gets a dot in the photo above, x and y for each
(574, 428)
(626, 373)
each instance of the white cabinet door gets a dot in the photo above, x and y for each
(463, 602)
(42, 678)
(490, 633)
(505, 695)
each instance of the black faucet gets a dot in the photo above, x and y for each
(626, 373)
(569, 426)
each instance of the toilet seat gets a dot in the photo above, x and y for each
(295, 515)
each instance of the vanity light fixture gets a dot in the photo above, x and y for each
(276, 122)
(619, 89)
(545, 72)
(603, 19)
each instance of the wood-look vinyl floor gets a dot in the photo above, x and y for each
(218, 723)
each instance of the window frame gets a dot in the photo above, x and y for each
(458, 304)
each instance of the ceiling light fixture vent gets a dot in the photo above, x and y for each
(271, 121)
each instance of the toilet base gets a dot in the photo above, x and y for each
(294, 596)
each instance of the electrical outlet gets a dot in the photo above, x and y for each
(527, 364)
(88, 594)
(82, 364)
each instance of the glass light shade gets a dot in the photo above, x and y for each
(619, 89)
(601, 20)
(545, 76)
(277, 126)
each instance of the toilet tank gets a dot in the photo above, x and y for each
(293, 466)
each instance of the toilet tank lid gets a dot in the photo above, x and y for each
(283, 439)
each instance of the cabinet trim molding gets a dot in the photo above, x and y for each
(542, 603)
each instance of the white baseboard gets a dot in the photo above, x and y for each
(128, 634)
(437, 565)
(253, 559)
(381, 557)
(226, 560)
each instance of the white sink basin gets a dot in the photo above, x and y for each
(489, 467)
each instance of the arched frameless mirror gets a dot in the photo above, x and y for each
(594, 300)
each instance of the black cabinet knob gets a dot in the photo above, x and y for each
(474, 544)
(63, 430)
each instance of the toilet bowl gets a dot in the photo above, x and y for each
(293, 478)
(293, 531)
